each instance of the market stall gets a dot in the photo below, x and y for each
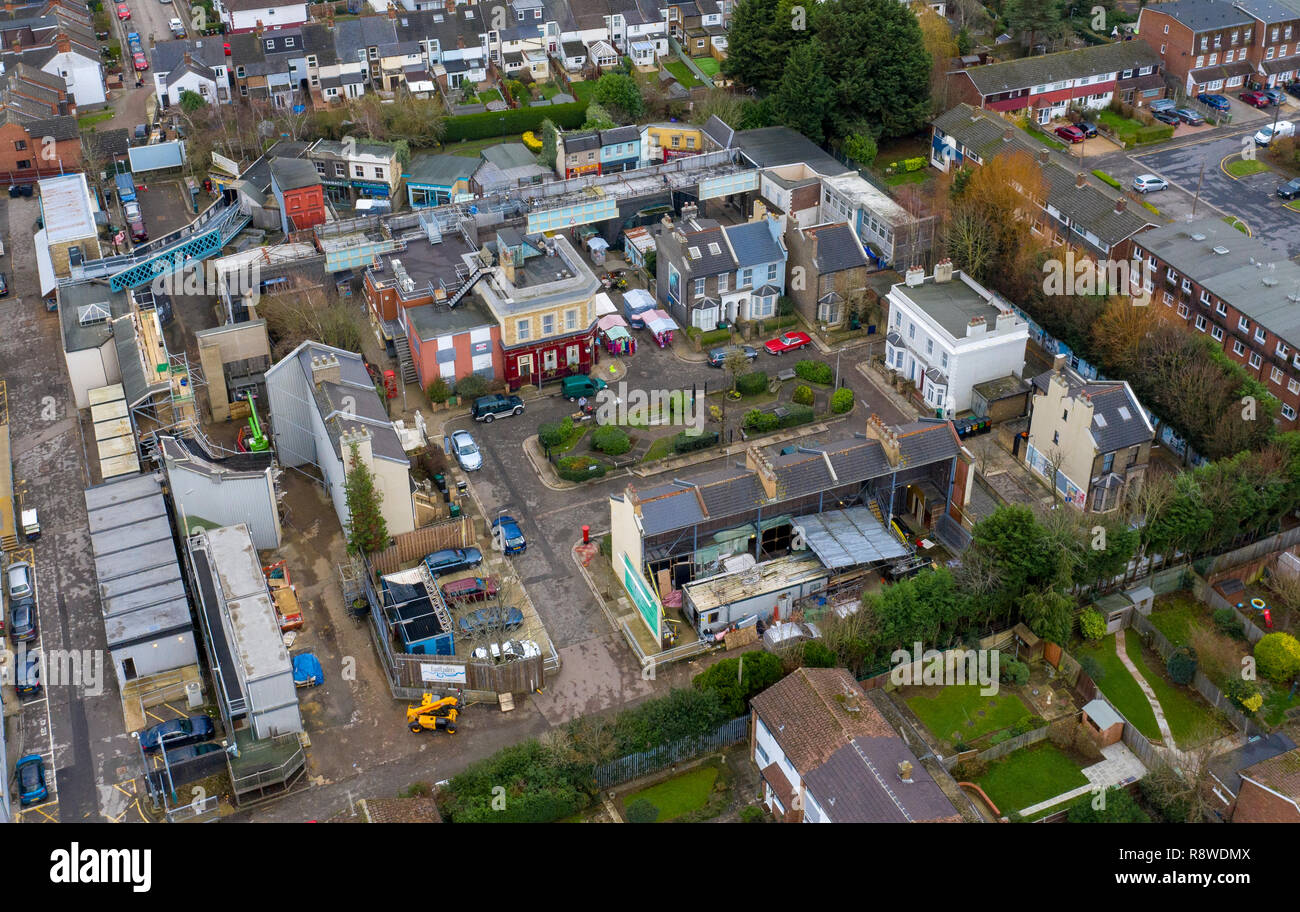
(661, 325)
(637, 302)
(614, 334)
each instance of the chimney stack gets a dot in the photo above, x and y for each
(943, 271)
(1058, 364)
(1007, 134)
(760, 465)
(905, 771)
(1121, 204)
(63, 43)
(915, 276)
(1080, 180)
(877, 430)
(324, 369)
(361, 438)
(392, 10)
(1044, 156)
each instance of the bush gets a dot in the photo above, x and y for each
(641, 811)
(759, 671)
(471, 386)
(438, 391)
(611, 440)
(1153, 133)
(797, 415)
(814, 371)
(914, 164)
(817, 654)
(752, 383)
(1027, 724)
(1014, 672)
(1244, 694)
(1106, 178)
(487, 124)
(842, 400)
(1092, 669)
(760, 421)
(1278, 657)
(542, 785)
(684, 443)
(803, 395)
(714, 337)
(1092, 625)
(554, 433)
(579, 468)
(1182, 665)
(1227, 622)
(1117, 806)
(753, 814)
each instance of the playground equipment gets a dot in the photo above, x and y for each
(1262, 607)
(251, 439)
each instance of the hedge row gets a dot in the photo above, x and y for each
(714, 337)
(814, 372)
(684, 443)
(1106, 178)
(752, 383)
(487, 124)
(762, 422)
(579, 468)
(1157, 132)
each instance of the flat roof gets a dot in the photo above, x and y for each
(67, 209)
(951, 304)
(845, 538)
(769, 576)
(258, 643)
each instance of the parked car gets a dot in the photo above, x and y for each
(1070, 133)
(177, 27)
(135, 221)
(578, 386)
(178, 733)
(1275, 96)
(4, 286)
(470, 589)
(190, 752)
(1293, 89)
(1149, 183)
(1163, 104)
(1190, 117)
(449, 560)
(139, 60)
(718, 356)
(30, 773)
(512, 537)
(22, 620)
(1257, 99)
(1290, 190)
(489, 408)
(1168, 117)
(123, 11)
(789, 341)
(1089, 129)
(27, 675)
(1218, 102)
(20, 581)
(467, 451)
(1267, 134)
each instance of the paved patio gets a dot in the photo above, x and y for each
(1120, 767)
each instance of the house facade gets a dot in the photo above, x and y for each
(828, 271)
(356, 169)
(248, 15)
(1205, 45)
(298, 190)
(708, 274)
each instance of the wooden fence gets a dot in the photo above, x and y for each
(483, 678)
(409, 546)
(634, 766)
(1263, 549)
(1206, 593)
(1013, 744)
(1137, 742)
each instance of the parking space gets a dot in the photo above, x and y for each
(33, 723)
(163, 205)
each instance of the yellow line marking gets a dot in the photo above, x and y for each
(159, 718)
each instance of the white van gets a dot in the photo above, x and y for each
(1274, 131)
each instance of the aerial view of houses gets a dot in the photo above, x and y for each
(889, 417)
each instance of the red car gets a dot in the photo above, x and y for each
(1070, 133)
(470, 589)
(123, 11)
(140, 62)
(1258, 99)
(787, 342)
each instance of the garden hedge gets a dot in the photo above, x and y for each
(487, 124)
(803, 395)
(842, 400)
(611, 440)
(684, 443)
(752, 383)
(579, 468)
(814, 371)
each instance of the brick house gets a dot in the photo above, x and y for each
(297, 189)
(31, 149)
(1205, 44)
(828, 271)
(1270, 791)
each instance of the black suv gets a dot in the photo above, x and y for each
(487, 408)
(1289, 190)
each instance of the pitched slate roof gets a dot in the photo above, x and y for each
(809, 713)
(1227, 768)
(1028, 72)
(860, 784)
(1091, 207)
(439, 170)
(352, 35)
(715, 256)
(838, 248)
(61, 127)
(293, 173)
(1280, 773)
(1202, 15)
(1111, 429)
(753, 244)
(718, 131)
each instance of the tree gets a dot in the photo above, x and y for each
(804, 96)
(618, 93)
(719, 103)
(1092, 625)
(292, 319)
(759, 41)
(597, 118)
(971, 243)
(1032, 17)
(1278, 657)
(736, 363)
(964, 43)
(641, 811)
(1116, 804)
(736, 681)
(548, 153)
(367, 530)
(1048, 615)
(1182, 665)
(861, 148)
(817, 654)
(191, 101)
(937, 37)
(611, 440)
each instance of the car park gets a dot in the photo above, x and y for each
(27, 674)
(178, 733)
(466, 451)
(1149, 183)
(511, 537)
(1218, 102)
(718, 356)
(489, 408)
(1289, 190)
(580, 386)
(470, 589)
(191, 752)
(449, 560)
(790, 341)
(22, 619)
(1189, 117)
(1070, 133)
(1274, 131)
(19, 581)
(1256, 99)
(30, 773)
(1168, 117)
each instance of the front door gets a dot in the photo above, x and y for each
(525, 363)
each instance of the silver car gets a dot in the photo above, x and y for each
(1148, 183)
(19, 580)
(467, 451)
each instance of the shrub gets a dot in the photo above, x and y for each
(1227, 622)
(1027, 724)
(611, 440)
(803, 395)
(684, 443)
(714, 337)
(1014, 672)
(817, 654)
(972, 770)
(1278, 657)
(760, 421)
(752, 383)
(641, 811)
(1244, 694)
(1092, 669)
(1182, 665)
(487, 124)
(579, 468)
(797, 415)
(1092, 625)
(914, 164)
(1106, 178)
(752, 814)
(814, 371)
(532, 141)
(1153, 133)
(438, 391)
(842, 400)
(759, 671)
(554, 433)
(1116, 806)
(471, 386)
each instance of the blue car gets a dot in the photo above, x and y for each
(27, 674)
(178, 732)
(30, 772)
(449, 560)
(511, 537)
(1218, 102)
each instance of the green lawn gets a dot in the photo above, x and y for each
(90, 120)
(1238, 224)
(908, 177)
(1176, 617)
(1191, 720)
(707, 65)
(1031, 775)
(953, 713)
(1243, 167)
(659, 449)
(582, 90)
(1124, 127)
(489, 95)
(679, 795)
(471, 148)
(1046, 140)
(575, 436)
(1120, 688)
(1273, 712)
(682, 73)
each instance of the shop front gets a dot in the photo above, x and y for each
(551, 359)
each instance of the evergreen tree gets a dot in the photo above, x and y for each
(803, 97)
(547, 156)
(366, 528)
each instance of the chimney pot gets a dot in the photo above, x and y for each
(1080, 180)
(1121, 204)
(1044, 155)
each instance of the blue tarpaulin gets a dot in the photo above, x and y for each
(307, 671)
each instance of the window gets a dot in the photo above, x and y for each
(1282, 350)
(320, 168)
(1237, 348)
(573, 355)
(24, 164)
(1221, 309)
(1276, 376)
(1243, 324)
(1217, 332)
(1214, 58)
(1269, 55)
(699, 288)
(548, 324)
(523, 329)
(1065, 415)
(1287, 412)
(1260, 335)
(929, 346)
(358, 171)
(1168, 299)
(20, 145)
(1108, 462)
(340, 169)
(1201, 324)
(1254, 359)
(374, 53)
(722, 282)
(771, 272)
(550, 359)
(1293, 386)
(570, 320)
(943, 360)
(1056, 436)
(911, 330)
(1183, 311)
(379, 173)
(311, 61)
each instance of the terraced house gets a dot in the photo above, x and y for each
(709, 274)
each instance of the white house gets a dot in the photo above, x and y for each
(82, 70)
(246, 15)
(948, 333)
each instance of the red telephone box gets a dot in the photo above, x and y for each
(390, 383)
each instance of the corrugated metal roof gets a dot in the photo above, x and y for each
(843, 538)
